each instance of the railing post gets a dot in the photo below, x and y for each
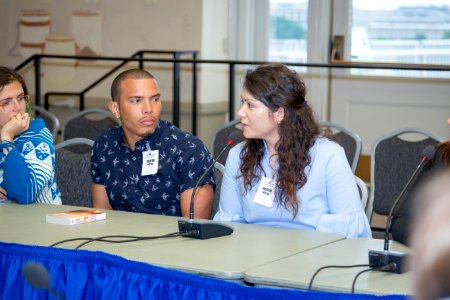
(81, 101)
(141, 62)
(176, 91)
(47, 101)
(37, 79)
(231, 92)
(194, 94)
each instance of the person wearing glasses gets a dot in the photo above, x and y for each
(285, 174)
(27, 155)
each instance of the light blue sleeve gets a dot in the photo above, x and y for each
(230, 205)
(346, 215)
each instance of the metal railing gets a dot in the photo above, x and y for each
(138, 56)
(177, 61)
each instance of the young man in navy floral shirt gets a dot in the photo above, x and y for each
(147, 164)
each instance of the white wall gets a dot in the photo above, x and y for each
(126, 27)
(214, 32)
(373, 106)
(4, 30)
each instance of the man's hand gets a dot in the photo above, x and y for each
(100, 197)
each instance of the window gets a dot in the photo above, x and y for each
(288, 30)
(401, 31)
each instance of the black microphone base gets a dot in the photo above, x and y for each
(202, 229)
(380, 258)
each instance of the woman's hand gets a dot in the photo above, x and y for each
(3, 194)
(18, 124)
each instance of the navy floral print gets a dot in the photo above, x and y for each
(183, 158)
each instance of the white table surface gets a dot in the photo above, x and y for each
(296, 271)
(225, 257)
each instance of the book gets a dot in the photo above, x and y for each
(74, 217)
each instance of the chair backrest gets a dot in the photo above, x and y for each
(73, 172)
(50, 120)
(88, 123)
(363, 191)
(394, 158)
(218, 171)
(350, 141)
(220, 139)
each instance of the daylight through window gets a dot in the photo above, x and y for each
(401, 31)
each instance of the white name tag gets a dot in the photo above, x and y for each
(150, 160)
(265, 193)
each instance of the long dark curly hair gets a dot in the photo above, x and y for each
(443, 153)
(277, 86)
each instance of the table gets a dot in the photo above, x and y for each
(226, 257)
(296, 271)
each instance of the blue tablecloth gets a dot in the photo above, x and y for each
(82, 274)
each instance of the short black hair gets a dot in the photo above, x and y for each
(133, 74)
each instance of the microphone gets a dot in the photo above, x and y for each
(379, 259)
(206, 229)
(37, 276)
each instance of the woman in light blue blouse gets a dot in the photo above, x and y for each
(284, 174)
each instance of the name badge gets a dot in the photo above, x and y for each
(150, 160)
(265, 193)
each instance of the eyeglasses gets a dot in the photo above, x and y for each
(8, 103)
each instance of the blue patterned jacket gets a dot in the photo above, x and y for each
(27, 172)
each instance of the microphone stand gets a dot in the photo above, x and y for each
(397, 201)
(380, 259)
(204, 229)
(191, 208)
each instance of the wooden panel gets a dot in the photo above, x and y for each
(363, 168)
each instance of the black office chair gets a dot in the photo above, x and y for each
(218, 172)
(363, 191)
(220, 139)
(88, 123)
(50, 120)
(394, 157)
(73, 172)
(350, 141)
